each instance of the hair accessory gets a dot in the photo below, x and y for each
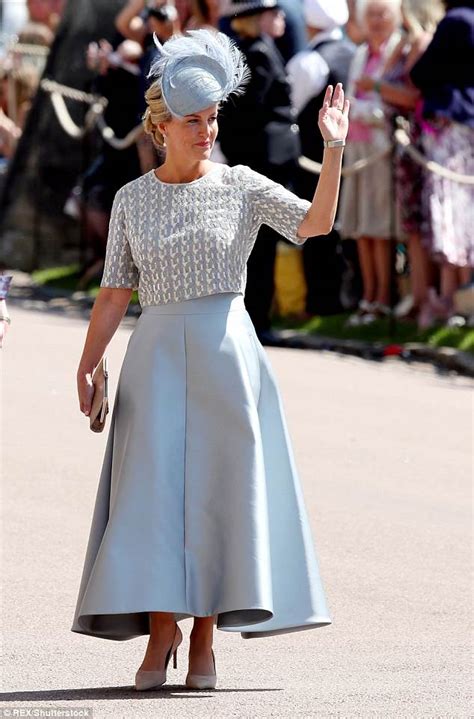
(197, 70)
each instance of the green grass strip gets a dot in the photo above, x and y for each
(462, 338)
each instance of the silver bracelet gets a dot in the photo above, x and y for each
(334, 143)
(5, 319)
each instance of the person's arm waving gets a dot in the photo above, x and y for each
(334, 124)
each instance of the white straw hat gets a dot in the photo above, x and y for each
(326, 14)
(197, 70)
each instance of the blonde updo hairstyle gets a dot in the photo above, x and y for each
(156, 113)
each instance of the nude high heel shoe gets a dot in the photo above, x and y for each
(148, 679)
(202, 681)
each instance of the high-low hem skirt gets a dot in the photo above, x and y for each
(199, 509)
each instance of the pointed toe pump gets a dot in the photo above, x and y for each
(202, 681)
(151, 679)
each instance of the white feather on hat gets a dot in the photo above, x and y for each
(326, 14)
(197, 70)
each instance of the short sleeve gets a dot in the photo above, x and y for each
(272, 204)
(119, 269)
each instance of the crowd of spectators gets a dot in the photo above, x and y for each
(399, 60)
(26, 33)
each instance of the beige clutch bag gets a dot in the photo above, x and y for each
(100, 399)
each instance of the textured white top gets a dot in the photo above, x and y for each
(179, 241)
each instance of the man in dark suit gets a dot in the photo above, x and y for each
(258, 129)
(325, 61)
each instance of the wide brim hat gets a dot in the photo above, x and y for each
(246, 8)
(197, 70)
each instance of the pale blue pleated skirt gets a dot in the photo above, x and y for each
(199, 509)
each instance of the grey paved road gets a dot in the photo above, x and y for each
(385, 457)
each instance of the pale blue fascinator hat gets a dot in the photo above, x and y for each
(198, 70)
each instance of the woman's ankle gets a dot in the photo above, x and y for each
(201, 636)
(162, 625)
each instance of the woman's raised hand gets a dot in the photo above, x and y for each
(334, 114)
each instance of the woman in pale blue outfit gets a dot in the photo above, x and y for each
(199, 509)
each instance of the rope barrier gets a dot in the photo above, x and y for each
(118, 143)
(402, 138)
(66, 121)
(95, 115)
(98, 104)
(71, 92)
